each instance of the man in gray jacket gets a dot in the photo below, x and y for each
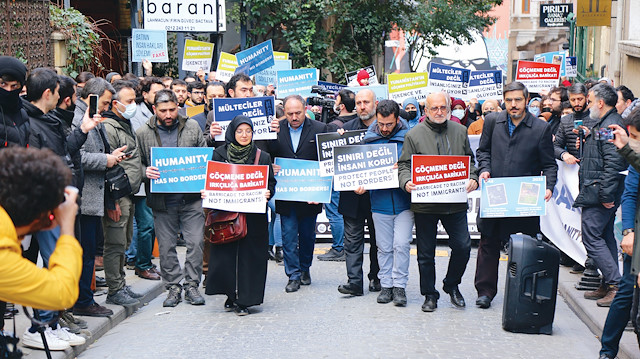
(169, 129)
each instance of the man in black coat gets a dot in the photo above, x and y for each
(14, 122)
(297, 139)
(514, 143)
(564, 143)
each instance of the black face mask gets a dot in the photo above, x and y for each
(10, 100)
(546, 109)
(412, 114)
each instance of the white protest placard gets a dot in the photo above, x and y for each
(439, 179)
(352, 76)
(198, 55)
(184, 15)
(449, 79)
(149, 45)
(261, 111)
(537, 76)
(236, 188)
(485, 85)
(403, 86)
(369, 166)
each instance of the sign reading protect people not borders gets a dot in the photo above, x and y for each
(261, 111)
(368, 166)
(236, 188)
(327, 141)
(439, 179)
(182, 169)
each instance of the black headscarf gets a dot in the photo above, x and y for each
(235, 152)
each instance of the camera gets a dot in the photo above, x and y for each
(323, 101)
(603, 134)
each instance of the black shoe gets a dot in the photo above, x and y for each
(483, 302)
(374, 285)
(94, 310)
(121, 297)
(350, 289)
(456, 296)
(229, 305)
(399, 297)
(272, 256)
(279, 255)
(191, 294)
(174, 297)
(292, 286)
(385, 296)
(305, 278)
(333, 255)
(101, 282)
(241, 311)
(430, 304)
(131, 293)
(131, 265)
(577, 268)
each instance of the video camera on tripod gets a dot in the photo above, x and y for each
(323, 100)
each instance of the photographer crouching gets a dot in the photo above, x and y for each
(34, 197)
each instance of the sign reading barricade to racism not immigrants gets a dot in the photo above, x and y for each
(300, 181)
(450, 79)
(256, 58)
(513, 197)
(227, 65)
(197, 55)
(182, 169)
(369, 166)
(537, 76)
(403, 86)
(439, 179)
(261, 110)
(485, 85)
(296, 82)
(149, 45)
(327, 141)
(236, 188)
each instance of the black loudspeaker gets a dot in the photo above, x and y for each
(531, 287)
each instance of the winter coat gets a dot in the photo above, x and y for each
(14, 128)
(565, 140)
(351, 204)
(120, 133)
(630, 207)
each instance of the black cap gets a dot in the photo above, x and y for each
(13, 67)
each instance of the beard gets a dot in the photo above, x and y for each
(367, 116)
(594, 113)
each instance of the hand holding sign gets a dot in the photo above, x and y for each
(152, 172)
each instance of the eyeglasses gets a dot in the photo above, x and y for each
(246, 132)
(436, 109)
(386, 125)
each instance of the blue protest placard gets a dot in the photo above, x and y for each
(450, 79)
(149, 45)
(270, 75)
(381, 91)
(296, 82)
(300, 181)
(261, 110)
(554, 57)
(256, 58)
(485, 85)
(182, 169)
(330, 86)
(513, 197)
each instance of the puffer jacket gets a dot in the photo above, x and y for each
(565, 140)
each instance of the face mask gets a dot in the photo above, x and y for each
(635, 145)
(546, 109)
(10, 100)
(412, 114)
(534, 111)
(129, 110)
(458, 113)
(336, 108)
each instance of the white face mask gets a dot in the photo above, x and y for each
(129, 110)
(458, 113)
(635, 145)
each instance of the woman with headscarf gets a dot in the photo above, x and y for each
(458, 111)
(239, 269)
(412, 107)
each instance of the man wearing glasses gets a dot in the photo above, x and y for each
(513, 143)
(436, 135)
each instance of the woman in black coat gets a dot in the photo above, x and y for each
(239, 269)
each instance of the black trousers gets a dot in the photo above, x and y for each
(354, 248)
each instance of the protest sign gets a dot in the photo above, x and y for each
(571, 66)
(439, 179)
(182, 169)
(256, 58)
(149, 45)
(554, 57)
(227, 65)
(537, 76)
(555, 15)
(278, 55)
(352, 76)
(197, 55)
(513, 197)
(369, 166)
(330, 86)
(270, 76)
(296, 82)
(485, 85)
(327, 141)
(379, 90)
(184, 15)
(563, 223)
(403, 86)
(236, 188)
(450, 79)
(261, 110)
(300, 181)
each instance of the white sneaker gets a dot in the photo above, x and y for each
(64, 334)
(34, 340)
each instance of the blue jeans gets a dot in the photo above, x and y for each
(144, 233)
(619, 312)
(275, 226)
(47, 242)
(131, 252)
(90, 231)
(336, 221)
(298, 241)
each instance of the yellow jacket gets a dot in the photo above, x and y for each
(22, 282)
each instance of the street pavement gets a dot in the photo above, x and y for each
(319, 322)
